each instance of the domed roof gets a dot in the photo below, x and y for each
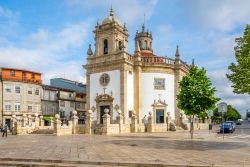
(111, 18)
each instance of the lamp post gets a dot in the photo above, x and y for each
(222, 107)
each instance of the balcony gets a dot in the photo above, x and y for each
(21, 79)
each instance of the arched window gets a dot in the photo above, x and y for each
(120, 45)
(146, 44)
(105, 46)
(140, 44)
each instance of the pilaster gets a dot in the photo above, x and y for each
(137, 87)
(123, 93)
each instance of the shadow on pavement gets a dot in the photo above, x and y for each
(199, 145)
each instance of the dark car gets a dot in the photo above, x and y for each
(228, 128)
(232, 123)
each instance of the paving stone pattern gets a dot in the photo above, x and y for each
(166, 148)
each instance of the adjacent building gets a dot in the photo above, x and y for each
(21, 93)
(71, 95)
(49, 100)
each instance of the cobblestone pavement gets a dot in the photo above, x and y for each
(168, 148)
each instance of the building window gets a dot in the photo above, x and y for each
(62, 103)
(159, 83)
(17, 107)
(30, 90)
(7, 88)
(12, 73)
(159, 116)
(120, 45)
(72, 104)
(29, 108)
(105, 46)
(37, 91)
(7, 107)
(17, 89)
(145, 44)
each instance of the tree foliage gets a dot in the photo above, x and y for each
(240, 71)
(232, 114)
(196, 94)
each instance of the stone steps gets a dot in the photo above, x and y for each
(19, 162)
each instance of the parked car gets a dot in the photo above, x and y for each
(232, 123)
(228, 128)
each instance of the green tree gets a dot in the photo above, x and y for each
(232, 114)
(196, 94)
(240, 71)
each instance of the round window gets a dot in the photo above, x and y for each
(104, 79)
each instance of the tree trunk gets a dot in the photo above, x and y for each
(192, 127)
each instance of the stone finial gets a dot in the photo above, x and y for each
(24, 115)
(89, 52)
(74, 112)
(36, 114)
(41, 117)
(177, 54)
(111, 12)
(143, 28)
(57, 116)
(90, 111)
(193, 64)
(106, 111)
(150, 113)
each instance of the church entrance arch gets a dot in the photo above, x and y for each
(104, 101)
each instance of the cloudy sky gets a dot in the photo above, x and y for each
(52, 36)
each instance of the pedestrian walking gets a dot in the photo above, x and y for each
(5, 130)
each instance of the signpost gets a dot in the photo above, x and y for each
(222, 107)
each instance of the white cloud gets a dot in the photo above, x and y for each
(49, 52)
(225, 91)
(130, 12)
(224, 15)
(6, 13)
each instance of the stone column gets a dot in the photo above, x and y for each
(51, 122)
(36, 120)
(29, 120)
(41, 121)
(88, 129)
(150, 122)
(74, 121)
(120, 120)
(168, 120)
(25, 120)
(134, 122)
(57, 124)
(14, 122)
(106, 122)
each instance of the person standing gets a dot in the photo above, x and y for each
(5, 130)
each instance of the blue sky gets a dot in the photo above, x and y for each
(51, 36)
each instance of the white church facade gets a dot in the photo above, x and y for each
(138, 85)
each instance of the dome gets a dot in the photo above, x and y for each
(111, 18)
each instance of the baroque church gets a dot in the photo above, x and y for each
(139, 84)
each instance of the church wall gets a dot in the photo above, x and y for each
(130, 91)
(149, 93)
(96, 87)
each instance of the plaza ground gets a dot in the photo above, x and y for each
(141, 149)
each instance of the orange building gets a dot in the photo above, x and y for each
(12, 74)
(21, 93)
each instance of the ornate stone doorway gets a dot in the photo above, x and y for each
(159, 112)
(104, 101)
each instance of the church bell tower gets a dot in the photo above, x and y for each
(111, 36)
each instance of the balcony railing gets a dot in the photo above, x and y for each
(20, 79)
(157, 60)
